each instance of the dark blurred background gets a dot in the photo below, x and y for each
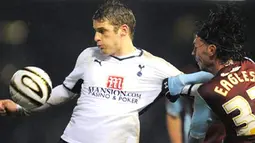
(50, 34)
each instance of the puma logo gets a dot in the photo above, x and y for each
(98, 61)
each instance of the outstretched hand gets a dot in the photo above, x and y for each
(7, 106)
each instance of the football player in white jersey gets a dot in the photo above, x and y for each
(115, 81)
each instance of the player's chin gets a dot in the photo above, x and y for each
(200, 65)
(106, 52)
(103, 51)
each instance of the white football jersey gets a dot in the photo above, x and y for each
(113, 92)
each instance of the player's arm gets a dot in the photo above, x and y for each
(60, 94)
(173, 114)
(174, 121)
(202, 118)
(173, 86)
(66, 91)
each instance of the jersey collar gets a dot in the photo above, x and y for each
(138, 53)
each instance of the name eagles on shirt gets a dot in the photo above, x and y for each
(232, 80)
(114, 94)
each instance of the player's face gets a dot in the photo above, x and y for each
(202, 54)
(107, 39)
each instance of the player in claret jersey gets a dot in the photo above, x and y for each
(230, 94)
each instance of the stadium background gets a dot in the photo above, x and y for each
(51, 33)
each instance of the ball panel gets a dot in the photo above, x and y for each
(43, 75)
(31, 84)
(23, 100)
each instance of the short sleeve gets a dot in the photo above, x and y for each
(75, 79)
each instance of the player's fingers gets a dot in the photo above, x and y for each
(2, 110)
(3, 113)
(1, 106)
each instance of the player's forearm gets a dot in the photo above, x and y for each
(174, 127)
(190, 90)
(59, 95)
(175, 84)
(21, 111)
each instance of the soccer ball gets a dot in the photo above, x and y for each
(30, 87)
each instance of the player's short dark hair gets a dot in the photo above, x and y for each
(225, 29)
(117, 14)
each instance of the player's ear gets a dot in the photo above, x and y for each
(124, 30)
(212, 49)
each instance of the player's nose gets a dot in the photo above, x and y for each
(97, 37)
(193, 52)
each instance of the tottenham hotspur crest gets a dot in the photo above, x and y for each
(139, 73)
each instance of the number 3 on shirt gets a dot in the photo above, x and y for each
(245, 117)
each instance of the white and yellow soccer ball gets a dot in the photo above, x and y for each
(30, 87)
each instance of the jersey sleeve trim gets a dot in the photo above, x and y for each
(77, 87)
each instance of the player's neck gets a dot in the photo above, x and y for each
(127, 48)
(219, 65)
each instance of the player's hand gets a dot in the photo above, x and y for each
(165, 91)
(2, 109)
(7, 106)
